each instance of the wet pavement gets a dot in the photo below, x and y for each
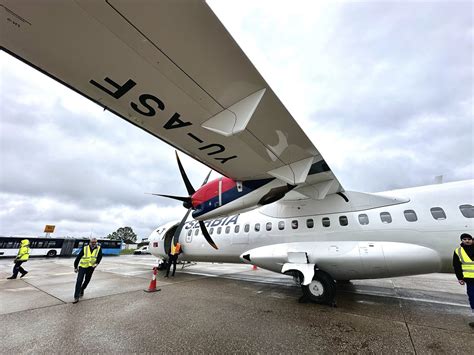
(224, 308)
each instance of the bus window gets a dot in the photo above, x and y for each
(410, 215)
(343, 221)
(281, 225)
(294, 224)
(269, 226)
(467, 211)
(438, 213)
(310, 223)
(385, 217)
(257, 227)
(363, 219)
(326, 222)
(247, 228)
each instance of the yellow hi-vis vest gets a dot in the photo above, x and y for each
(466, 263)
(24, 252)
(175, 249)
(89, 259)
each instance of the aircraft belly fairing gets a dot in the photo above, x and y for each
(348, 260)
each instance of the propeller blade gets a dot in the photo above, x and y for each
(179, 198)
(189, 186)
(178, 230)
(207, 178)
(206, 235)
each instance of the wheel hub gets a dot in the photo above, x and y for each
(316, 288)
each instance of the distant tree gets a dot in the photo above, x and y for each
(123, 233)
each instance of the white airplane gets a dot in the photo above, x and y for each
(172, 69)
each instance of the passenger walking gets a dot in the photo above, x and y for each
(173, 258)
(463, 263)
(87, 260)
(22, 257)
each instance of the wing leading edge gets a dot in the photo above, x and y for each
(172, 69)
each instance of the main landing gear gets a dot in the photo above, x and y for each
(321, 290)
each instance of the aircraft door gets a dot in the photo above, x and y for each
(168, 239)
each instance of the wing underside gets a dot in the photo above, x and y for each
(172, 69)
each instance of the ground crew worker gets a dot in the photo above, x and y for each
(87, 260)
(173, 258)
(463, 263)
(22, 257)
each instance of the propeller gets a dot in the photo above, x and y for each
(187, 203)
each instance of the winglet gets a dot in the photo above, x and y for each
(234, 119)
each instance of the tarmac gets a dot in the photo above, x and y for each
(224, 308)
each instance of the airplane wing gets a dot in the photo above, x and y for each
(172, 69)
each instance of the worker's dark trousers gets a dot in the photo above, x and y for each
(18, 267)
(172, 259)
(80, 285)
(470, 292)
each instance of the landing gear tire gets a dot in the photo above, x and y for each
(51, 253)
(321, 290)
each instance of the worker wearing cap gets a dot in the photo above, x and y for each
(22, 257)
(463, 263)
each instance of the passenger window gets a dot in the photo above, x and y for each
(257, 227)
(438, 213)
(467, 211)
(269, 226)
(309, 223)
(219, 230)
(196, 231)
(236, 229)
(294, 224)
(326, 222)
(247, 228)
(281, 225)
(363, 219)
(227, 230)
(211, 230)
(343, 221)
(385, 217)
(410, 216)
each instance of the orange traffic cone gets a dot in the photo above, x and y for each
(152, 287)
(254, 267)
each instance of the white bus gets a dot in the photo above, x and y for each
(40, 246)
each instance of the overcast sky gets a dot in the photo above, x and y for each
(383, 89)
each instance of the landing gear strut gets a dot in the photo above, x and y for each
(321, 290)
